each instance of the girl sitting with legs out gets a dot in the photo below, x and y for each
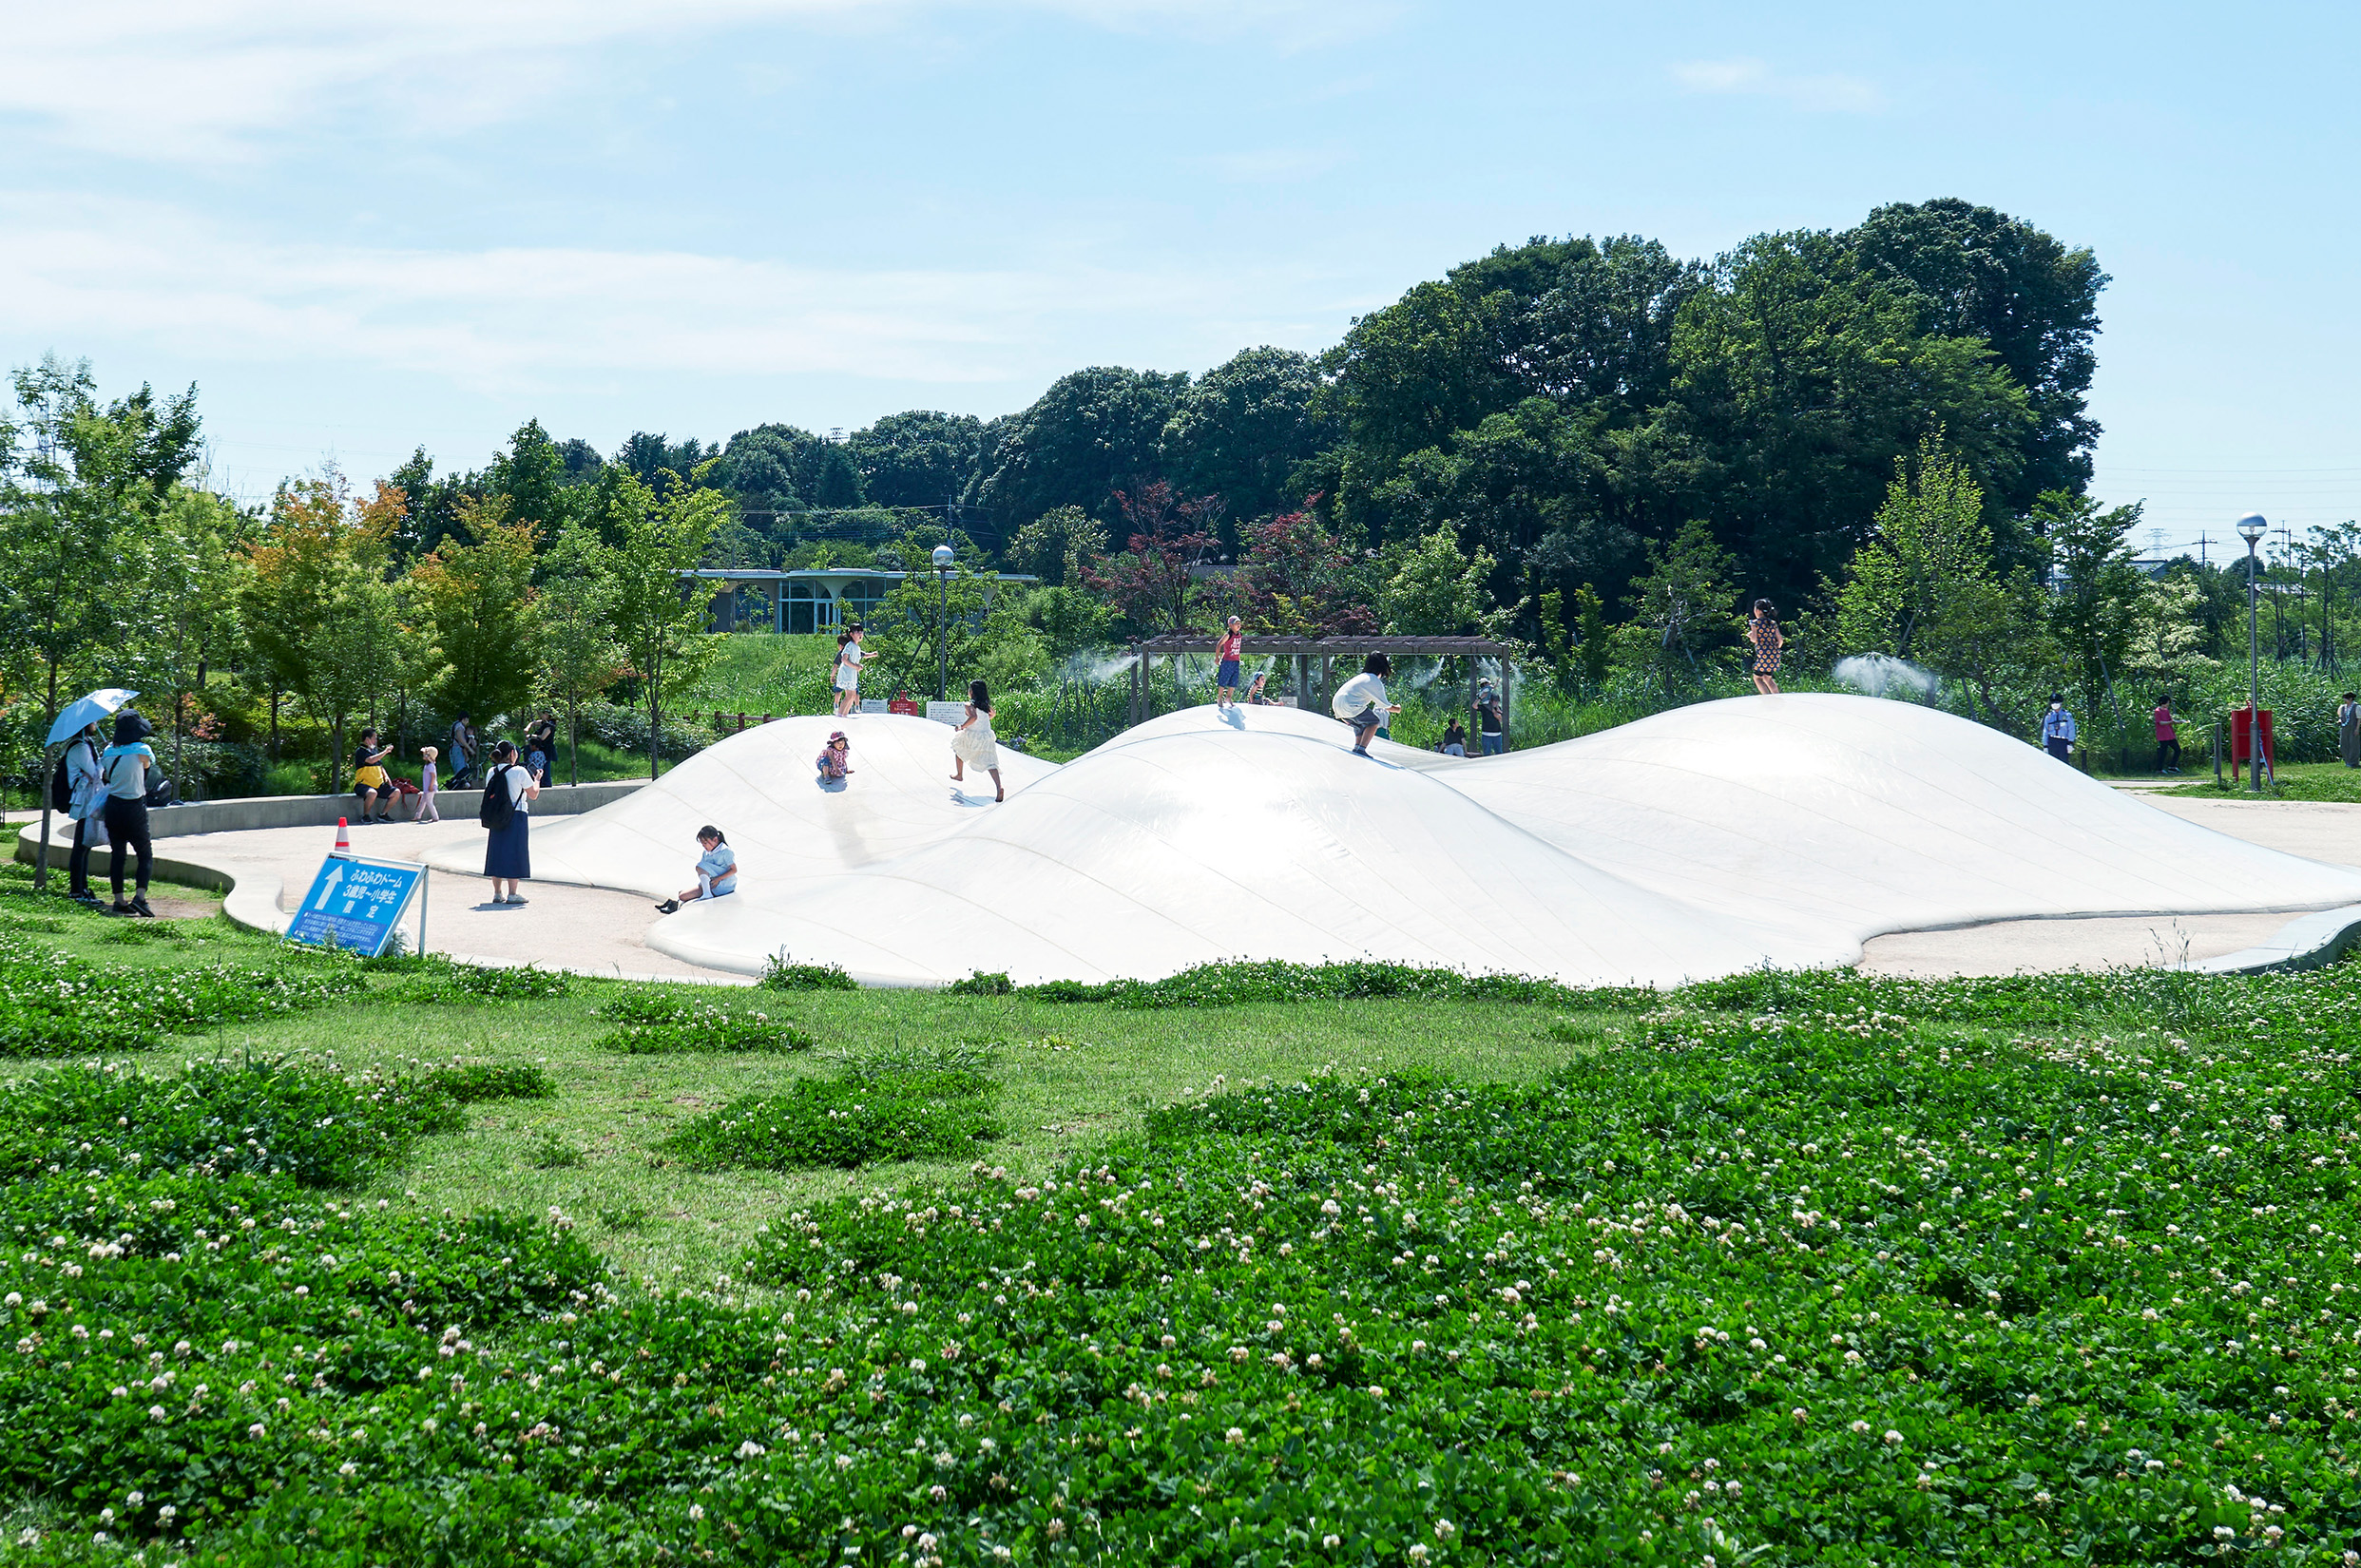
(716, 871)
(834, 760)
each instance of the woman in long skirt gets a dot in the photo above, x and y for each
(508, 853)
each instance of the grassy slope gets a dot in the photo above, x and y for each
(1057, 1101)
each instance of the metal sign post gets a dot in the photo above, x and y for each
(356, 904)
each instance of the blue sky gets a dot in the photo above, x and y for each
(364, 226)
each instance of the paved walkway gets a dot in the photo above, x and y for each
(585, 929)
(2318, 830)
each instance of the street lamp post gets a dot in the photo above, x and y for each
(942, 621)
(2251, 528)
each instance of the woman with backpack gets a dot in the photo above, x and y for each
(125, 768)
(508, 855)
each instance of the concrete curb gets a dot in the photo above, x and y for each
(2306, 944)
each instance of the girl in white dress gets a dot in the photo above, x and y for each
(849, 657)
(972, 742)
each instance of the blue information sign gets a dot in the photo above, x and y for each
(356, 904)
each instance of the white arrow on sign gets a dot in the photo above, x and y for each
(328, 886)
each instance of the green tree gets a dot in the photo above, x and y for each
(1242, 430)
(1682, 609)
(1925, 588)
(1977, 274)
(1593, 641)
(1433, 588)
(2095, 590)
(347, 646)
(948, 625)
(1093, 432)
(478, 597)
(312, 563)
(1058, 545)
(532, 477)
(917, 459)
(579, 657)
(2168, 640)
(192, 558)
(658, 612)
(84, 486)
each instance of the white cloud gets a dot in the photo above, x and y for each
(208, 79)
(525, 318)
(1830, 93)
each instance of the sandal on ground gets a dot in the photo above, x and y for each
(670, 906)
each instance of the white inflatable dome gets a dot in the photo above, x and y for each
(1710, 839)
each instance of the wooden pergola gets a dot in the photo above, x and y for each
(1306, 651)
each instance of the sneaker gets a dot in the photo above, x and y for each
(86, 897)
(120, 907)
(520, 899)
(670, 906)
(138, 902)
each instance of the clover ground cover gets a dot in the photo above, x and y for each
(1782, 1269)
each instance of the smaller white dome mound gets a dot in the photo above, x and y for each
(758, 787)
(1855, 815)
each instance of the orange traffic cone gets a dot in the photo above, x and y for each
(344, 841)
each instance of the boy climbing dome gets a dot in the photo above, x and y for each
(1361, 701)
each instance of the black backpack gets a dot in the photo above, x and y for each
(498, 804)
(61, 788)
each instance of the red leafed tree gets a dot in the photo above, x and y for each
(1153, 581)
(1298, 579)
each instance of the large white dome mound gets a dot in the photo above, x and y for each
(1710, 839)
(1143, 858)
(758, 787)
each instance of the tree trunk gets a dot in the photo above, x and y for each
(655, 713)
(335, 755)
(41, 860)
(275, 723)
(573, 744)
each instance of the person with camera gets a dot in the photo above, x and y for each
(126, 770)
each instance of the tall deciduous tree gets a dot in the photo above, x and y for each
(1153, 582)
(2095, 590)
(1681, 607)
(658, 612)
(1433, 588)
(319, 615)
(579, 655)
(1925, 588)
(479, 598)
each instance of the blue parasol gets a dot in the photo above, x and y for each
(86, 711)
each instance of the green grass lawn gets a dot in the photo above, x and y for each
(414, 1263)
(2295, 782)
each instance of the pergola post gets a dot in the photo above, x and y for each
(1508, 678)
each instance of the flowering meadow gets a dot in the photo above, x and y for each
(1780, 1269)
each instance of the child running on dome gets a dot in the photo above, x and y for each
(973, 741)
(716, 871)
